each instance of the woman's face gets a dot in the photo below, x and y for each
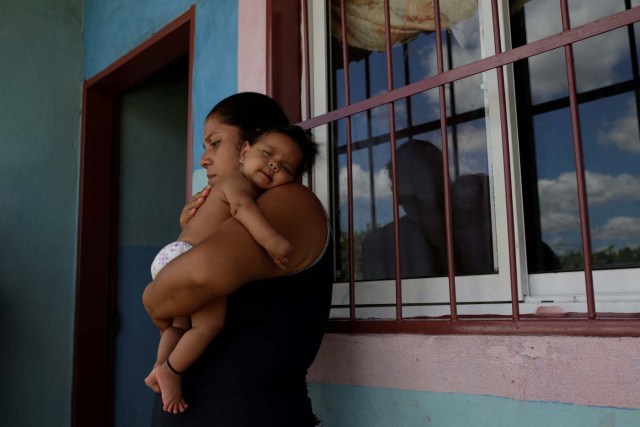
(221, 148)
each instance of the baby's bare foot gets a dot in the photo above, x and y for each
(152, 381)
(171, 388)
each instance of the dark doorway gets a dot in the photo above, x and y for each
(151, 191)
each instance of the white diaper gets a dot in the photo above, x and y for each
(167, 254)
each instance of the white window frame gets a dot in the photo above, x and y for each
(481, 294)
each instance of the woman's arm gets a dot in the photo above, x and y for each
(230, 257)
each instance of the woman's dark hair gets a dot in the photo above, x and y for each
(302, 138)
(250, 112)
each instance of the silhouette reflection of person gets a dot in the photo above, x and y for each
(422, 227)
(422, 230)
(471, 217)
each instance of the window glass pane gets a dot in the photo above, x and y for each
(542, 18)
(371, 191)
(612, 159)
(557, 192)
(462, 39)
(471, 198)
(534, 20)
(603, 60)
(372, 198)
(466, 96)
(608, 112)
(584, 11)
(421, 225)
(423, 112)
(469, 172)
(547, 76)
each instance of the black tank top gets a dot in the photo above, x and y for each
(254, 372)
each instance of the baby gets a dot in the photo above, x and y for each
(277, 156)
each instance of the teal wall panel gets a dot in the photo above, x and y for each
(114, 28)
(356, 406)
(40, 102)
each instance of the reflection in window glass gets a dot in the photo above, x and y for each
(471, 198)
(413, 43)
(608, 111)
(557, 190)
(371, 192)
(462, 42)
(542, 18)
(603, 60)
(547, 76)
(584, 11)
(537, 19)
(421, 222)
(424, 108)
(612, 159)
(465, 96)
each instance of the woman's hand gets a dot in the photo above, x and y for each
(193, 205)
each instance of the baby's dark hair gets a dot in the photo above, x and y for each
(303, 139)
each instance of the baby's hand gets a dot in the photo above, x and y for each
(193, 205)
(279, 249)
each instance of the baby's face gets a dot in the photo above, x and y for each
(272, 160)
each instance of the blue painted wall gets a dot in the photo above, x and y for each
(354, 406)
(114, 28)
(40, 102)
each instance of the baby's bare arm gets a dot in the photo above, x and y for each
(241, 195)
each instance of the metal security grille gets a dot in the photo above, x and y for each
(401, 89)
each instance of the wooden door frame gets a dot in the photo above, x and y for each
(95, 307)
(284, 55)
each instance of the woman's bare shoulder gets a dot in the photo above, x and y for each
(293, 200)
(296, 212)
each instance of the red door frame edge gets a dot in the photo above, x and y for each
(284, 56)
(94, 334)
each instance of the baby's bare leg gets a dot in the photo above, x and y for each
(168, 341)
(205, 325)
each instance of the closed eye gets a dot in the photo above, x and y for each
(211, 144)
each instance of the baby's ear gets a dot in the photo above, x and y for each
(244, 150)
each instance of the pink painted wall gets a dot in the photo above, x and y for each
(579, 370)
(252, 46)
